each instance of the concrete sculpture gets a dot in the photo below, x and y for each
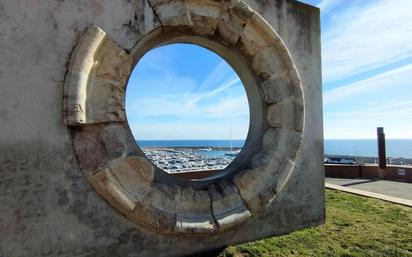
(98, 193)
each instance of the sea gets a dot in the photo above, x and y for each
(396, 148)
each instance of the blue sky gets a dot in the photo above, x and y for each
(186, 92)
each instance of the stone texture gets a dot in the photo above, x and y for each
(253, 189)
(97, 145)
(127, 185)
(259, 187)
(281, 115)
(134, 174)
(162, 197)
(152, 218)
(172, 12)
(204, 17)
(252, 39)
(107, 83)
(157, 209)
(228, 207)
(193, 212)
(76, 82)
(287, 114)
(268, 63)
(261, 159)
(230, 28)
(276, 90)
(96, 79)
(248, 184)
(233, 21)
(281, 141)
(115, 194)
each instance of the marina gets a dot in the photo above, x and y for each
(184, 159)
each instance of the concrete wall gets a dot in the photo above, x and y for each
(47, 207)
(342, 171)
(392, 172)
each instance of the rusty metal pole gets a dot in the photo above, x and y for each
(381, 153)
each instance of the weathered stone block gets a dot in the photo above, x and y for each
(134, 174)
(98, 145)
(280, 115)
(193, 212)
(152, 218)
(276, 89)
(249, 184)
(96, 80)
(233, 21)
(252, 40)
(109, 187)
(204, 17)
(267, 63)
(228, 207)
(172, 13)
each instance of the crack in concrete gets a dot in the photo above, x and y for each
(211, 209)
(155, 13)
(241, 198)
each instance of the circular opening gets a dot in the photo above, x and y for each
(187, 109)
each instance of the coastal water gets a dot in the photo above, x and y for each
(358, 147)
(369, 147)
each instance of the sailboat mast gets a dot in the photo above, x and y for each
(231, 145)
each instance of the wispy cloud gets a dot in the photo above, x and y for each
(220, 73)
(391, 80)
(190, 130)
(327, 5)
(355, 110)
(233, 80)
(362, 123)
(378, 109)
(366, 36)
(229, 108)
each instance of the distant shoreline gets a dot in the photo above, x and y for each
(366, 148)
(212, 148)
(359, 159)
(369, 159)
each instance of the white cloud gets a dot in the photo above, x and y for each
(366, 36)
(199, 97)
(354, 111)
(190, 130)
(327, 5)
(165, 103)
(349, 127)
(229, 108)
(393, 115)
(380, 109)
(175, 105)
(220, 72)
(391, 80)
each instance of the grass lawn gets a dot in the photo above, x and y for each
(355, 226)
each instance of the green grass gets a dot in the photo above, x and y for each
(355, 226)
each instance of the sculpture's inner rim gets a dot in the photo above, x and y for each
(133, 70)
(241, 66)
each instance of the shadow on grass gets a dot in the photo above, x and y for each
(213, 253)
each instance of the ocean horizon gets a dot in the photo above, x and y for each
(397, 148)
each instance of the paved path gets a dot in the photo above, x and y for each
(397, 192)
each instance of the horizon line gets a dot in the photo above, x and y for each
(245, 139)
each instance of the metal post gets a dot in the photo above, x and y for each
(381, 152)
